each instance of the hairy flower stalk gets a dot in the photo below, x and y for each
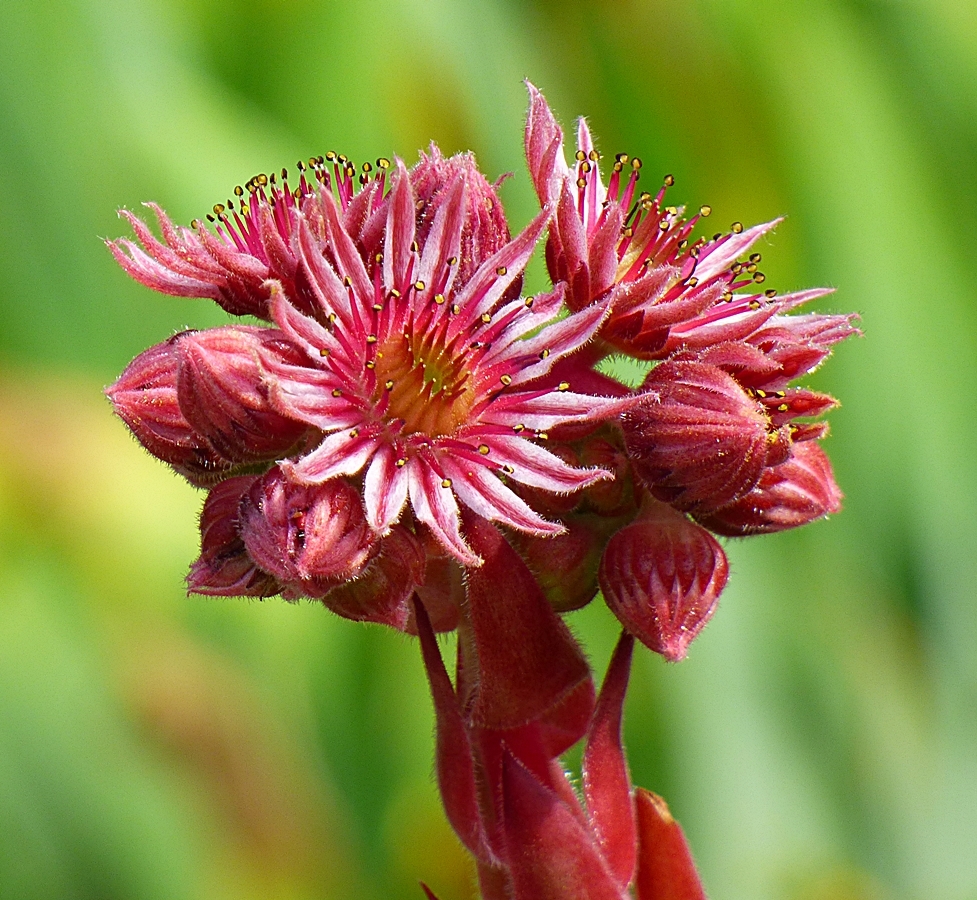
(411, 441)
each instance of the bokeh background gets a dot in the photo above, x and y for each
(820, 743)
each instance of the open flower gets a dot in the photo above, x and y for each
(436, 386)
(667, 291)
(402, 341)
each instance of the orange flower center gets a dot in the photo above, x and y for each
(427, 386)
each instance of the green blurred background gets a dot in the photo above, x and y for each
(820, 743)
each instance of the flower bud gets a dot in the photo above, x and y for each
(789, 495)
(311, 538)
(223, 396)
(662, 577)
(382, 591)
(485, 230)
(224, 568)
(705, 442)
(145, 398)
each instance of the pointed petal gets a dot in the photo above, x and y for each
(326, 284)
(728, 250)
(585, 142)
(399, 232)
(384, 489)
(544, 147)
(481, 491)
(487, 285)
(444, 239)
(537, 411)
(799, 298)
(348, 259)
(602, 260)
(157, 276)
(435, 506)
(533, 465)
(341, 453)
(558, 340)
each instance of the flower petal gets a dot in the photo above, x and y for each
(435, 506)
(481, 491)
(341, 453)
(495, 275)
(384, 489)
(399, 232)
(725, 252)
(541, 411)
(532, 465)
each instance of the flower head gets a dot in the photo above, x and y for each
(402, 352)
(433, 384)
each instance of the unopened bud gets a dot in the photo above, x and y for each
(794, 493)
(222, 393)
(485, 230)
(311, 538)
(224, 568)
(705, 442)
(662, 577)
(145, 398)
(382, 591)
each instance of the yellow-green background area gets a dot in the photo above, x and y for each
(820, 742)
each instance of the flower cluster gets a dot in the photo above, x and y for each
(412, 441)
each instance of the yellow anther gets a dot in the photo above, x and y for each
(483, 449)
(439, 299)
(336, 392)
(736, 227)
(506, 380)
(705, 211)
(564, 386)
(446, 483)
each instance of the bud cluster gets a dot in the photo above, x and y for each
(411, 441)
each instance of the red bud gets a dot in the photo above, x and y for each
(309, 537)
(794, 493)
(224, 567)
(222, 394)
(145, 398)
(662, 577)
